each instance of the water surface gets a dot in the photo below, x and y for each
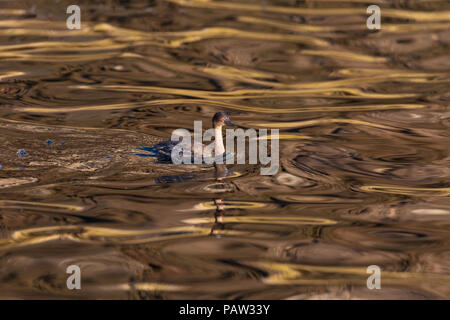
(364, 149)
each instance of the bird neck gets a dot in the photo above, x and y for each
(219, 147)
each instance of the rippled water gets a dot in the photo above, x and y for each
(364, 124)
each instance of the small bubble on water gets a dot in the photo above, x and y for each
(22, 153)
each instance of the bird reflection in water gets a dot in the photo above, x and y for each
(221, 173)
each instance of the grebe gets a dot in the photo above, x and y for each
(163, 150)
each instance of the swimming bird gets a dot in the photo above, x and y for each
(163, 150)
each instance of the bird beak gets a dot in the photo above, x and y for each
(228, 122)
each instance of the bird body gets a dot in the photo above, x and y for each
(164, 150)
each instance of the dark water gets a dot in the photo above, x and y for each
(364, 125)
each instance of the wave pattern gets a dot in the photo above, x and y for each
(364, 134)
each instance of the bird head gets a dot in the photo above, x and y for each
(220, 119)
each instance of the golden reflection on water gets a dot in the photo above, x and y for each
(364, 150)
(284, 274)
